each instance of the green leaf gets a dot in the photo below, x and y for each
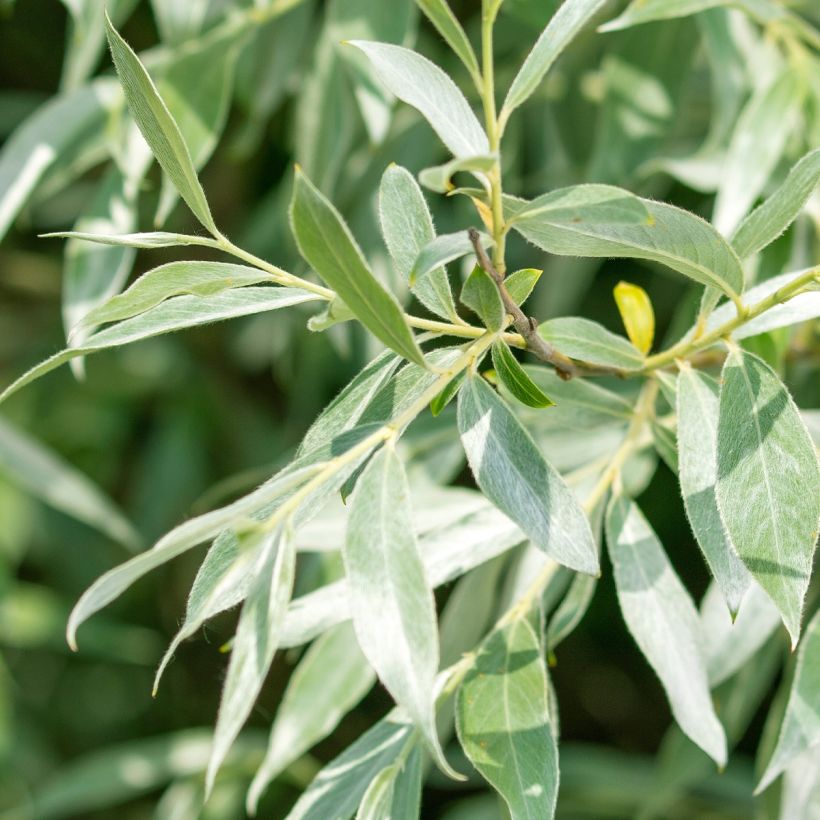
(422, 84)
(763, 225)
(179, 22)
(113, 583)
(28, 464)
(515, 378)
(345, 411)
(512, 473)
(756, 146)
(565, 24)
(663, 621)
(447, 395)
(521, 283)
(596, 204)
(331, 678)
(587, 340)
(448, 552)
(339, 787)
(480, 293)
(801, 308)
(439, 13)
(697, 409)
(768, 486)
(48, 139)
(158, 127)
(801, 786)
(391, 599)
(153, 239)
(255, 642)
(328, 246)
(197, 88)
(174, 279)
(173, 314)
(645, 11)
(571, 610)
(504, 721)
(439, 178)
(407, 228)
(334, 312)
(674, 237)
(800, 729)
(395, 792)
(441, 250)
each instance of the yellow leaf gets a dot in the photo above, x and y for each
(637, 314)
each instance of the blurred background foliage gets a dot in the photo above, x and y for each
(175, 425)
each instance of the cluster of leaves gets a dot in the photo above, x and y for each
(746, 462)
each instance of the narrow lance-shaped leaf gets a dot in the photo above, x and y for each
(674, 237)
(422, 84)
(760, 136)
(171, 315)
(513, 474)
(407, 228)
(395, 792)
(584, 339)
(800, 730)
(158, 127)
(439, 13)
(255, 643)
(697, 408)
(763, 225)
(331, 678)
(328, 246)
(516, 379)
(663, 621)
(439, 178)
(339, 787)
(390, 597)
(504, 721)
(520, 284)
(480, 293)
(151, 239)
(597, 204)
(445, 248)
(768, 484)
(570, 18)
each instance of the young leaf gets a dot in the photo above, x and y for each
(481, 295)
(339, 787)
(521, 283)
(768, 482)
(328, 246)
(441, 250)
(757, 144)
(515, 378)
(27, 463)
(504, 721)
(637, 315)
(800, 729)
(447, 395)
(255, 643)
(173, 314)
(173, 279)
(439, 178)
(407, 228)
(763, 225)
(422, 84)
(565, 24)
(113, 583)
(158, 127)
(391, 600)
(664, 623)
(154, 239)
(697, 408)
(584, 339)
(439, 13)
(331, 678)
(673, 237)
(512, 473)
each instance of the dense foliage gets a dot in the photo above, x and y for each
(532, 396)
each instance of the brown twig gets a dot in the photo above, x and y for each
(565, 367)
